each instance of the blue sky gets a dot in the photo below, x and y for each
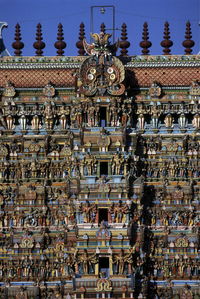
(72, 12)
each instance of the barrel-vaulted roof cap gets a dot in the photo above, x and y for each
(3, 50)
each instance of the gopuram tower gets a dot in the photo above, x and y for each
(100, 171)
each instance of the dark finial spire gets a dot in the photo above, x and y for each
(79, 43)
(145, 43)
(18, 45)
(103, 28)
(166, 43)
(39, 45)
(60, 44)
(188, 43)
(124, 43)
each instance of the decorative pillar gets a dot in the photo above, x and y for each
(111, 265)
(125, 168)
(97, 214)
(109, 168)
(124, 290)
(109, 217)
(82, 290)
(96, 269)
(98, 169)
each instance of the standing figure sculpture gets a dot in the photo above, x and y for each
(8, 114)
(49, 115)
(119, 260)
(87, 261)
(89, 212)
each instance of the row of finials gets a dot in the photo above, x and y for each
(124, 44)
